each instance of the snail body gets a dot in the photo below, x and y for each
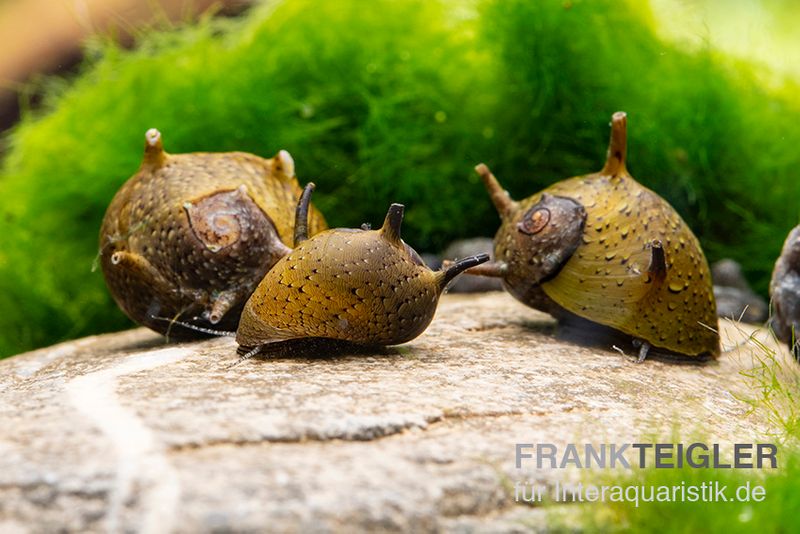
(191, 235)
(607, 249)
(784, 291)
(357, 285)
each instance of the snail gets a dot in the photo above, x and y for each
(785, 293)
(362, 286)
(604, 248)
(192, 235)
(358, 286)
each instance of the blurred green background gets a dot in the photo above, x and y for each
(396, 101)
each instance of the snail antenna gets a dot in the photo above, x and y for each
(617, 145)
(493, 269)
(154, 155)
(460, 266)
(245, 353)
(502, 201)
(301, 214)
(210, 331)
(392, 223)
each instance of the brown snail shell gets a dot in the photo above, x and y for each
(362, 286)
(607, 249)
(191, 235)
(784, 291)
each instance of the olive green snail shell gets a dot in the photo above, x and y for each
(607, 249)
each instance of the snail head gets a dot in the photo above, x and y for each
(547, 233)
(540, 233)
(390, 231)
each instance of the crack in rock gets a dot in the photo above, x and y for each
(358, 429)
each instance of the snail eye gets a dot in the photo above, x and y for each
(534, 221)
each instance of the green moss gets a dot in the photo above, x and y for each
(773, 386)
(777, 512)
(702, 132)
(394, 103)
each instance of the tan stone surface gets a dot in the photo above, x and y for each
(122, 432)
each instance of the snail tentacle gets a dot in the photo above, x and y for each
(210, 331)
(460, 266)
(392, 223)
(502, 201)
(244, 356)
(301, 214)
(643, 350)
(493, 269)
(617, 145)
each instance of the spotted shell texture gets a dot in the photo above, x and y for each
(607, 281)
(608, 278)
(352, 285)
(191, 235)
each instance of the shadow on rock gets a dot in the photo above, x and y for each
(592, 335)
(319, 349)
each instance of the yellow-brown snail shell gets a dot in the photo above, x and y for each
(357, 285)
(605, 248)
(191, 235)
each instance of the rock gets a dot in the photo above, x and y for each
(432, 260)
(463, 248)
(784, 290)
(735, 299)
(728, 273)
(733, 303)
(122, 432)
